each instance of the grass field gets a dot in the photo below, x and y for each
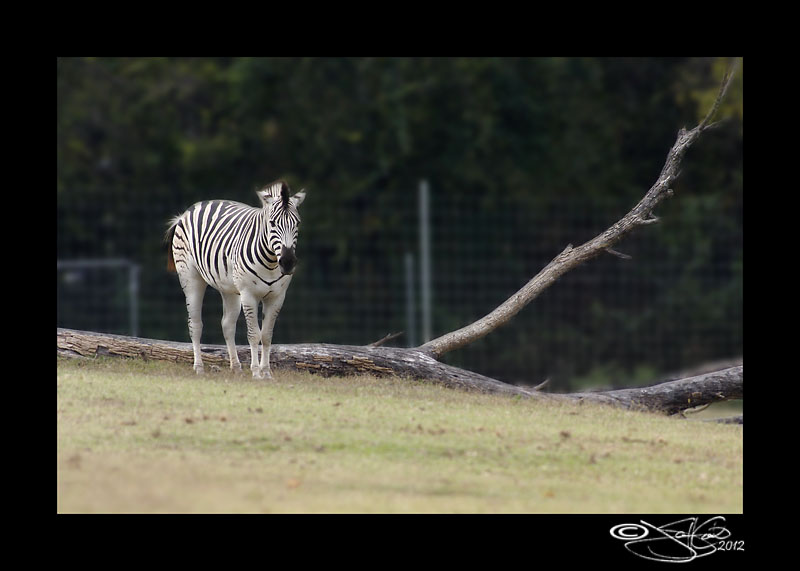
(147, 437)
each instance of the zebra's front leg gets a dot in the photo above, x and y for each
(250, 309)
(231, 306)
(271, 310)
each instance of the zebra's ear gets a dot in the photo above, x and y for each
(266, 197)
(299, 198)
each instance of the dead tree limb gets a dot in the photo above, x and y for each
(320, 358)
(675, 396)
(571, 257)
(340, 360)
(385, 339)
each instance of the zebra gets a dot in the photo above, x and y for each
(248, 255)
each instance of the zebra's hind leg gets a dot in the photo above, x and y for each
(250, 309)
(231, 306)
(194, 288)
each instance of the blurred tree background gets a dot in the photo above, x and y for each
(523, 156)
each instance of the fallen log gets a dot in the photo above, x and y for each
(339, 360)
(678, 395)
(320, 358)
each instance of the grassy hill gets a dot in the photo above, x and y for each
(145, 437)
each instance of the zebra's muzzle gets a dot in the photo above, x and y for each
(287, 261)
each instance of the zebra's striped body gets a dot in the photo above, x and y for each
(248, 255)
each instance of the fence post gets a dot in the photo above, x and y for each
(133, 288)
(425, 259)
(411, 302)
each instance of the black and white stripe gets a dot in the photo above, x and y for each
(246, 253)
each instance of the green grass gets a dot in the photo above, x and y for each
(152, 438)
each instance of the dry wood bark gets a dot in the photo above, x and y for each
(338, 360)
(675, 396)
(319, 358)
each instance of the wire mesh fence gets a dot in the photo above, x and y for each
(677, 301)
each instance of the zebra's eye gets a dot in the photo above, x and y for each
(272, 223)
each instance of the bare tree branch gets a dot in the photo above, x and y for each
(385, 339)
(570, 258)
(723, 90)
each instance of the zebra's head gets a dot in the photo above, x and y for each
(283, 222)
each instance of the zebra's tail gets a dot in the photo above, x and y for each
(173, 223)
